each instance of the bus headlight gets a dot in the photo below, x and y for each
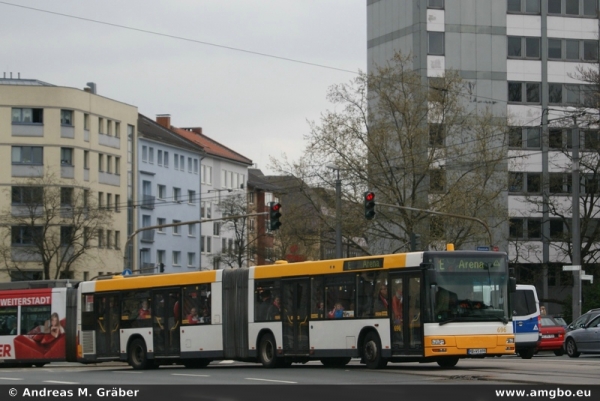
(438, 342)
(510, 340)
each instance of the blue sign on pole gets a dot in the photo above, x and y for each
(483, 248)
(127, 272)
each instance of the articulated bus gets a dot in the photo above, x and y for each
(412, 307)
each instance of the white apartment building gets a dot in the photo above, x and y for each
(520, 58)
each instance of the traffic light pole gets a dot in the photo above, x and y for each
(183, 223)
(458, 216)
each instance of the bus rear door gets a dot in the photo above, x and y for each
(107, 325)
(406, 327)
(166, 315)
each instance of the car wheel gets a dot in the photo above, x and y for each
(572, 348)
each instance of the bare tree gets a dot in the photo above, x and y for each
(415, 142)
(49, 224)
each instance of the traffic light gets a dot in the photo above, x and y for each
(369, 205)
(274, 215)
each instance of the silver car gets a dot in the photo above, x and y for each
(583, 335)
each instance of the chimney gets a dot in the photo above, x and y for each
(164, 120)
(92, 87)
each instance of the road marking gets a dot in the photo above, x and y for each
(226, 361)
(57, 382)
(267, 380)
(187, 374)
(10, 378)
(125, 371)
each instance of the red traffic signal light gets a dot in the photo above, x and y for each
(369, 202)
(274, 215)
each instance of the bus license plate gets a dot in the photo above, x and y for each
(477, 351)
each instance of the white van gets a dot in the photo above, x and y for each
(526, 320)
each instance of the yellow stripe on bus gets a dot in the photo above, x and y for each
(323, 266)
(159, 280)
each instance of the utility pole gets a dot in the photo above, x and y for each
(575, 223)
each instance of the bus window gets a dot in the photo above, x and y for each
(340, 292)
(33, 318)
(265, 294)
(369, 284)
(136, 311)
(317, 305)
(196, 304)
(8, 321)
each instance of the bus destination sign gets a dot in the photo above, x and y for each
(468, 264)
(363, 264)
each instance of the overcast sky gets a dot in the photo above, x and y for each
(254, 104)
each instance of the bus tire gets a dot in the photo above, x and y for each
(138, 355)
(267, 351)
(371, 351)
(335, 362)
(449, 362)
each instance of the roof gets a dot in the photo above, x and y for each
(24, 82)
(210, 146)
(149, 129)
(256, 179)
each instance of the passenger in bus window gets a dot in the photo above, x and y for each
(205, 315)
(320, 310)
(274, 310)
(12, 325)
(263, 308)
(381, 302)
(144, 312)
(193, 317)
(337, 312)
(397, 305)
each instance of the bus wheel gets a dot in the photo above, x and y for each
(335, 362)
(138, 356)
(196, 364)
(267, 351)
(447, 362)
(372, 352)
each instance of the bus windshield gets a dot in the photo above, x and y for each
(470, 290)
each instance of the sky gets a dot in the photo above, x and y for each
(178, 57)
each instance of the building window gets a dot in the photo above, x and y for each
(86, 122)
(191, 230)
(66, 196)
(86, 159)
(176, 258)
(166, 159)
(100, 238)
(160, 221)
(100, 200)
(182, 163)
(66, 117)
(196, 163)
(27, 155)
(162, 191)
(25, 235)
(436, 43)
(437, 180)
(27, 195)
(159, 157)
(191, 259)
(533, 137)
(523, 47)
(591, 140)
(27, 116)
(117, 129)
(117, 239)
(117, 165)
(145, 154)
(523, 6)
(435, 3)
(516, 228)
(100, 162)
(557, 229)
(100, 125)
(437, 135)
(109, 164)
(109, 239)
(530, 91)
(177, 194)
(555, 49)
(590, 50)
(534, 228)
(191, 196)
(189, 165)
(108, 201)
(216, 229)
(151, 155)
(117, 203)
(160, 256)
(176, 229)
(176, 157)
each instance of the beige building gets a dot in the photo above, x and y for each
(63, 187)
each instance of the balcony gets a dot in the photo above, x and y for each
(147, 236)
(148, 201)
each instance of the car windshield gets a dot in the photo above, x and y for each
(548, 321)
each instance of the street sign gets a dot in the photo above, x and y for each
(571, 268)
(127, 272)
(483, 248)
(589, 277)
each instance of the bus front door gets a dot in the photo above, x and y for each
(406, 327)
(166, 322)
(107, 325)
(294, 316)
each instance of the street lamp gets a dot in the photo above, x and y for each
(338, 211)
(575, 222)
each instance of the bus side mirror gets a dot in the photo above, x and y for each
(431, 277)
(512, 284)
